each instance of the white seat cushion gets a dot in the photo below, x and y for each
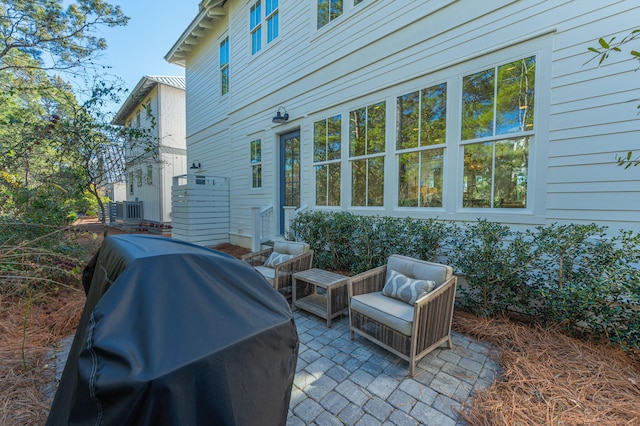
(290, 247)
(391, 312)
(268, 273)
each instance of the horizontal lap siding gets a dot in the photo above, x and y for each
(318, 73)
(593, 119)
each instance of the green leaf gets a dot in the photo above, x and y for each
(603, 43)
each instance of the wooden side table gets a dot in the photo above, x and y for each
(305, 295)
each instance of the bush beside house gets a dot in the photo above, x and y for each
(569, 275)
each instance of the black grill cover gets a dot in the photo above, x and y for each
(176, 334)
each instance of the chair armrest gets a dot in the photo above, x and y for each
(433, 315)
(368, 282)
(257, 258)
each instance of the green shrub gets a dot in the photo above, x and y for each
(570, 275)
(493, 260)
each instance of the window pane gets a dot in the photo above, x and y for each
(431, 166)
(323, 13)
(256, 40)
(511, 173)
(255, 15)
(256, 151)
(477, 104)
(334, 137)
(376, 182)
(357, 132)
(320, 140)
(335, 9)
(224, 81)
(272, 28)
(516, 82)
(408, 119)
(321, 185)
(334, 184)
(270, 6)
(359, 183)
(434, 115)
(477, 175)
(257, 175)
(149, 175)
(408, 180)
(376, 119)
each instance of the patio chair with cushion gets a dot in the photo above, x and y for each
(278, 263)
(405, 306)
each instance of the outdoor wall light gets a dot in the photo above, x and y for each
(195, 165)
(281, 116)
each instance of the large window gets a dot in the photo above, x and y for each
(255, 27)
(271, 23)
(224, 66)
(497, 130)
(327, 144)
(421, 129)
(366, 152)
(256, 163)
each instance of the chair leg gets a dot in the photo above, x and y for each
(351, 334)
(449, 342)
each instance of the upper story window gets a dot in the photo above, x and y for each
(271, 17)
(270, 20)
(497, 131)
(366, 152)
(328, 10)
(149, 174)
(327, 146)
(256, 163)
(421, 129)
(255, 27)
(224, 66)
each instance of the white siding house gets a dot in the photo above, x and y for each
(156, 103)
(436, 108)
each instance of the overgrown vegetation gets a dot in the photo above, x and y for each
(37, 260)
(574, 276)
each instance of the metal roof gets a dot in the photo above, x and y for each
(209, 11)
(142, 89)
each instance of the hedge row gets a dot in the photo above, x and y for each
(572, 275)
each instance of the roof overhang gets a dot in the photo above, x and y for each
(142, 89)
(210, 11)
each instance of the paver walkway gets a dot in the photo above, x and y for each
(339, 381)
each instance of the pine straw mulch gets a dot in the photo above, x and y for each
(23, 393)
(549, 378)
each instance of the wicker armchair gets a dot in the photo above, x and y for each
(409, 331)
(279, 263)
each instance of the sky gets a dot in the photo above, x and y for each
(139, 48)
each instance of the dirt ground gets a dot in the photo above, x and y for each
(548, 378)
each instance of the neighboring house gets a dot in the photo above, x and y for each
(156, 103)
(116, 191)
(445, 109)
